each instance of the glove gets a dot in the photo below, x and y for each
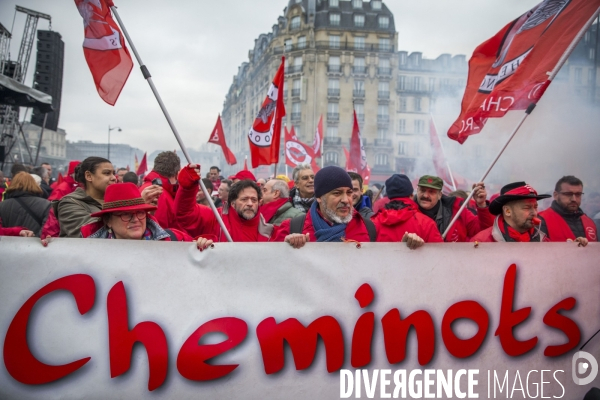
(188, 177)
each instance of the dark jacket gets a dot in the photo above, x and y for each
(73, 211)
(305, 206)
(31, 214)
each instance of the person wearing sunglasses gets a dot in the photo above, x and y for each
(565, 219)
(125, 215)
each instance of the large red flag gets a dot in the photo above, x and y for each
(265, 134)
(218, 137)
(440, 164)
(316, 146)
(141, 170)
(510, 71)
(297, 153)
(358, 157)
(104, 48)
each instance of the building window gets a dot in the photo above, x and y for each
(382, 133)
(295, 24)
(334, 64)
(403, 104)
(384, 66)
(402, 148)
(383, 113)
(431, 84)
(418, 83)
(418, 104)
(333, 87)
(296, 111)
(334, 3)
(357, 3)
(384, 22)
(402, 58)
(419, 126)
(333, 112)
(578, 75)
(359, 20)
(334, 41)
(383, 90)
(331, 158)
(334, 19)
(401, 126)
(376, 4)
(360, 112)
(288, 45)
(381, 160)
(401, 82)
(332, 131)
(296, 87)
(359, 89)
(359, 65)
(384, 44)
(302, 42)
(359, 43)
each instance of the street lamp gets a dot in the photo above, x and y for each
(111, 129)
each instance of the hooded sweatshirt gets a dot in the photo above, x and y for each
(392, 224)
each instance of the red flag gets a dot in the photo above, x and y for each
(366, 175)
(143, 167)
(265, 135)
(316, 146)
(218, 137)
(358, 157)
(347, 155)
(136, 163)
(246, 163)
(60, 179)
(297, 153)
(510, 71)
(104, 49)
(440, 164)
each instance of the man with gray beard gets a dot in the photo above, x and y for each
(332, 218)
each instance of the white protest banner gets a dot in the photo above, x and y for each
(444, 321)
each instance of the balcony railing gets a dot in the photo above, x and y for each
(296, 116)
(383, 94)
(295, 92)
(360, 117)
(384, 71)
(383, 143)
(333, 92)
(368, 47)
(358, 93)
(333, 116)
(383, 119)
(293, 69)
(333, 140)
(359, 70)
(334, 68)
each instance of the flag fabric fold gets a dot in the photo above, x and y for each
(510, 71)
(316, 146)
(218, 137)
(265, 134)
(358, 157)
(104, 49)
(143, 167)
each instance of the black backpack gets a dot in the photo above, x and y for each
(297, 223)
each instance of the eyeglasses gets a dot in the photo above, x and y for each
(307, 177)
(571, 194)
(128, 217)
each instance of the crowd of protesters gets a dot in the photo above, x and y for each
(93, 200)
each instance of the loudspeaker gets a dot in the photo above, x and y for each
(49, 74)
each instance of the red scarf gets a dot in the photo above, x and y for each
(514, 234)
(270, 209)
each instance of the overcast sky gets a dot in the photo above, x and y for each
(193, 50)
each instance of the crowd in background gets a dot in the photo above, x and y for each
(93, 200)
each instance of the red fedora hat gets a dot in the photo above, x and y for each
(123, 197)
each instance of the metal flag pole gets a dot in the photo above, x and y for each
(443, 151)
(551, 76)
(148, 78)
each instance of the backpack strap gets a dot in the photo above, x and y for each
(172, 235)
(33, 215)
(370, 228)
(297, 223)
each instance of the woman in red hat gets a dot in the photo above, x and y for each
(125, 215)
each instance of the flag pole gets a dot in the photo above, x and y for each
(443, 151)
(551, 75)
(148, 78)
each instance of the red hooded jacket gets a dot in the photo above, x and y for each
(392, 224)
(165, 214)
(67, 186)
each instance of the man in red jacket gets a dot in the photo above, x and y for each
(442, 209)
(160, 185)
(332, 217)
(565, 219)
(240, 216)
(401, 216)
(68, 185)
(516, 210)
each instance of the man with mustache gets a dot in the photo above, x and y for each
(516, 211)
(565, 219)
(332, 217)
(442, 209)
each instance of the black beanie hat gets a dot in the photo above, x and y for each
(331, 178)
(398, 185)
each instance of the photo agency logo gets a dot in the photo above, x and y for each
(584, 368)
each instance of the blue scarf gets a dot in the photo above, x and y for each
(323, 231)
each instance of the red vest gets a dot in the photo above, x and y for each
(559, 231)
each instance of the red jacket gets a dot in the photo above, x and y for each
(14, 231)
(90, 229)
(356, 229)
(198, 220)
(392, 224)
(165, 215)
(494, 234)
(67, 186)
(559, 230)
(467, 225)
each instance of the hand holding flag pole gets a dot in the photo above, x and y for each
(148, 78)
(551, 75)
